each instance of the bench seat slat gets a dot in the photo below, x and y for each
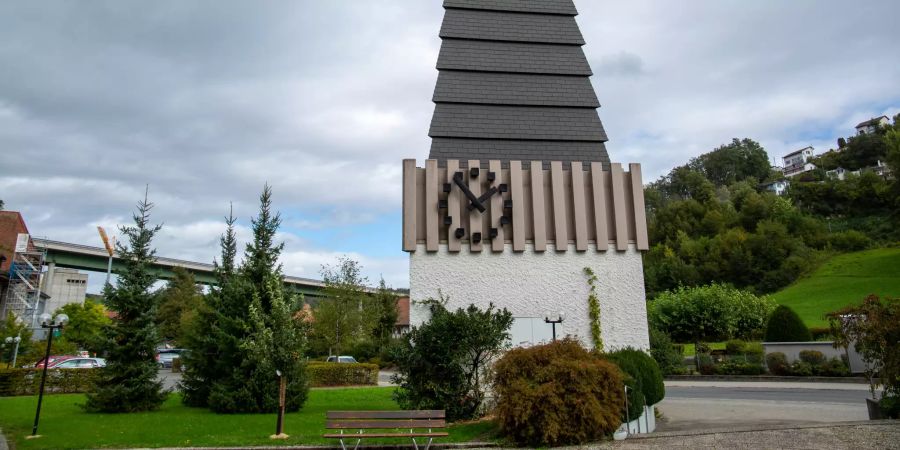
(389, 423)
(384, 435)
(423, 414)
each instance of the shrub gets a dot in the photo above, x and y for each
(739, 368)
(777, 363)
(363, 350)
(557, 394)
(443, 363)
(735, 347)
(786, 326)
(820, 333)
(636, 399)
(59, 381)
(800, 369)
(834, 367)
(705, 364)
(669, 357)
(342, 374)
(640, 366)
(849, 241)
(812, 357)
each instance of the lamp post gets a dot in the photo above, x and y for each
(51, 324)
(279, 425)
(15, 340)
(554, 319)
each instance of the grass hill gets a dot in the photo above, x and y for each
(843, 280)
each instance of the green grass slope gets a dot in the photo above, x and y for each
(841, 281)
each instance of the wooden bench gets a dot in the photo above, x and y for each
(361, 425)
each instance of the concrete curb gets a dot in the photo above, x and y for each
(751, 429)
(849, 380)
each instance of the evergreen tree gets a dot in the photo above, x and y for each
(247, 330)
(786, 326)
(128, 383)
(214, 334)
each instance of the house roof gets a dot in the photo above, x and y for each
(872, 121)
(798, 151)
(403, 311)
(513, 84)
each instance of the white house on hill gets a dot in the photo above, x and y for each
(872, 124)
(797, 162)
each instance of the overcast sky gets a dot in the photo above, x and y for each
(206, 101)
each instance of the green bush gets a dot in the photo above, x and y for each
(834, 367)
(705, 364)
(812, 357)
(800, 369)
(777, 363)
(786, 326)
(640, 366)
(849, 241)
(668, 356)
(59, 381)
(890, 406)
(735, 347)
(443, 363)
(636, 399)
(341, 374)
(739, 368)
(557, 394)
(821, 333)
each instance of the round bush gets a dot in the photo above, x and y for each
(813, 357)
(669, 357)
(786, 326)
(640, 366)
(735, 347)
(777, 363)
(557, 394)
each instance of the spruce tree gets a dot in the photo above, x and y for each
(215, 332)
(254, 331)
(786, 326)
(128, 383)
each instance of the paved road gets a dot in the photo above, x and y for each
(717, 405)
(783, 394)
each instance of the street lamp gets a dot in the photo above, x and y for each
(51, 324)
(279, 426)
(554, 319)
(15, 340)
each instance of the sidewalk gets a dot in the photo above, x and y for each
(768, 384)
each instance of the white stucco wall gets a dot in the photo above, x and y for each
(530, 283)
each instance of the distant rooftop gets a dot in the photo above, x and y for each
(872, 121)
(513, 84)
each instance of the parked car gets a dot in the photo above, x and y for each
(341, 359)
(165, 356)
(79, 363)
(54, 360)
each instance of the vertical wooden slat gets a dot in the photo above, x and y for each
(475, 219)
(409, 205)
(598, 184)
(558, 186)
(537, 206)
(516, 188)
(497, 207)
(579, 207)
(453, 206)
(431, 205)
(618, 195)
(640, 213)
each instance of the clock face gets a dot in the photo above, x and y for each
(475, 202)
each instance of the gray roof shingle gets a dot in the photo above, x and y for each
(443, 149)
(487, 56)
(516, 122)
(566, 7)
(507, 26)
(514, 89)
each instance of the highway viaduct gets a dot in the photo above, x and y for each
(85, 257)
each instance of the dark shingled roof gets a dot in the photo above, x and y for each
(513, 85)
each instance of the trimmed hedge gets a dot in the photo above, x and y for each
(645, 371)
(557, 394)
(786, 326)
(59, 381)
(341, 374)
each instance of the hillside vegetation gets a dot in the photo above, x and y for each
(843, 280)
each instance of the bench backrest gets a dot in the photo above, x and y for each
(432, 419)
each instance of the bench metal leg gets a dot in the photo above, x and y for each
(355, 447)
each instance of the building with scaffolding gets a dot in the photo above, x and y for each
(21, 265)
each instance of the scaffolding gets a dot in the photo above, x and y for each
(23, 296)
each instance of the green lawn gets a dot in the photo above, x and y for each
(689, 349)
(65, 425)
(843, 280)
